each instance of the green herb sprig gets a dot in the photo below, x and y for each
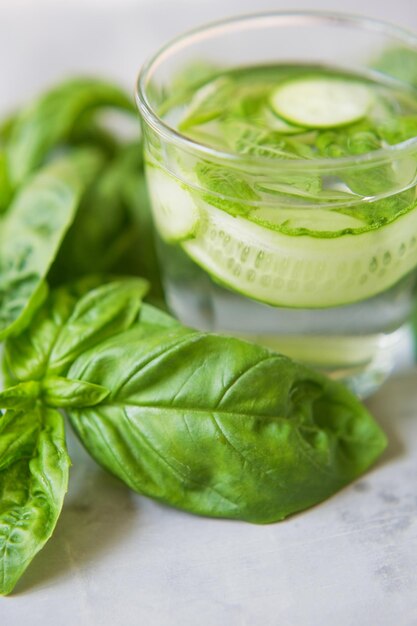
(209, 424)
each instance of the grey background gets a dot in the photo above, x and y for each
(119, 559)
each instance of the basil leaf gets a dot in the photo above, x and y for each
(18, 432)
(220, 427)
(102, 312)
(61, 392)
(5, 186)
(113, 231)
(366, 179)
(54, 391)
(26, 356)
(102, 231)
(382, 211)
(34, 468)
(400, 63)
(6, 128)
(143, 255)
(192, 75)
(151, 316)
(50, 120)
(32, 231)
(20, 395)
(73, 319)
(398, 129)
(251, 140)
(211, 101)
(227, 189)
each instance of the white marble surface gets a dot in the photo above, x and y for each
(119, 559)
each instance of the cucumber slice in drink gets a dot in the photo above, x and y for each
(175, 213)
(277, 123)
(302, 271)
(312, 219)
(315, 102)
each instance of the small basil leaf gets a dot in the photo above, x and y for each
(26, 356)
(226, 188)
(248, 139)
(51, 119)
(398, 129)
(101, 313)
(72, 319)
(61, 392)
(18, 431)
(33, 482)
(210, 102)
(151, 315)
(368, 179)
(5, 374)
(220, 427)
(19, 395)
(32, 231)
(191, 76)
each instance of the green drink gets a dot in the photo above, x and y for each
(288, 215)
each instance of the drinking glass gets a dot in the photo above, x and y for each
(339, 304)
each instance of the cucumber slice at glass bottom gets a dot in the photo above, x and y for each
(302, 271)
(277, 268)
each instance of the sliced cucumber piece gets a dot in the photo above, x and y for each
(175, 213)
(302, 271)
(274, 122)
(317, 102)
(313, 219)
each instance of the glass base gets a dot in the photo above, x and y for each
(349, 344)
(362, 363)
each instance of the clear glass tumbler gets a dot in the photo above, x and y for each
(338, 302)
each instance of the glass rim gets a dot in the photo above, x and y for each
(169, 133)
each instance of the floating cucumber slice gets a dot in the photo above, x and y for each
(280, 125)
(302, 271)
(175, 213)
(321, 102)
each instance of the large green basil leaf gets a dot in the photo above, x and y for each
(32, 230)
(73, 319)
(33, 480)
(51, 119)
(221, 427)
